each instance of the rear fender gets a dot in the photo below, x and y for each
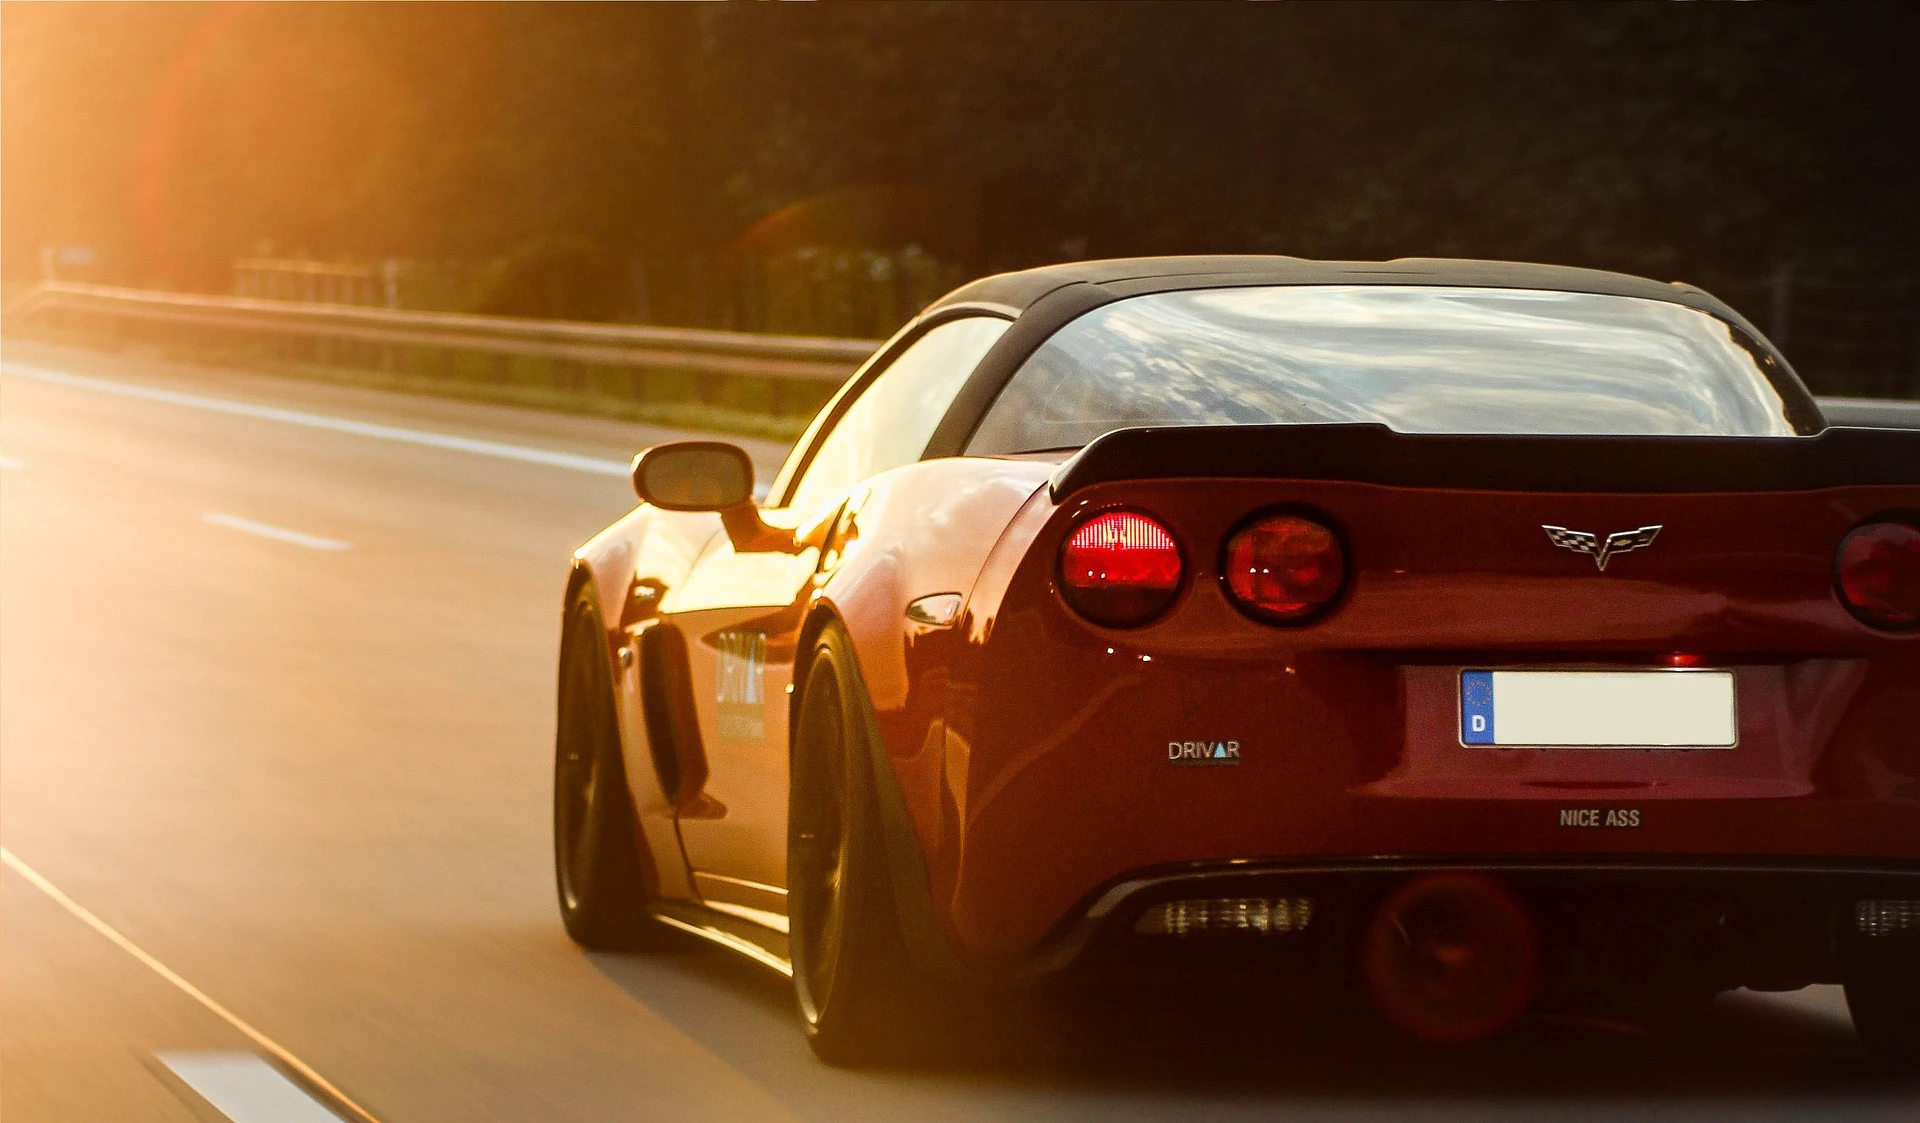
(920, 530)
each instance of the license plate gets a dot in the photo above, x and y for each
(1601, 709)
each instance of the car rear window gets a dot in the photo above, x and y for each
(1419, 359)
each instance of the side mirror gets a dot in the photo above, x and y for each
(694, 476)
(709, 476)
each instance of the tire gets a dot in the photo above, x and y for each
(859, 995)
(598, 867)
(1885, 1004)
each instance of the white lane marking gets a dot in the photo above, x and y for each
(245, 1088)
(267, 1044)
(495, 449)
(277, 533)
(12, 462)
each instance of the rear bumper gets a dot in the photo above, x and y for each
(1656, 925)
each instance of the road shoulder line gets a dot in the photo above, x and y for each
(496, 449)
(277, 533)
(272, 1048)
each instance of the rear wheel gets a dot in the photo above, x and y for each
(1885, 1004)
(596, 848)
(859, 995)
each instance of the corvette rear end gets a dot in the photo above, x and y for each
(1653, 735)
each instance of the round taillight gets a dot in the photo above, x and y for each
(1284, 569)
(1877, 572)
(1120, 569)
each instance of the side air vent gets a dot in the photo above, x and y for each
(666, 701)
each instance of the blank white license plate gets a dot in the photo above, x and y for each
(1641, 709)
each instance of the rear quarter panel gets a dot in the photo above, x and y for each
(922, 529)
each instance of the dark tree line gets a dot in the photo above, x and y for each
(600, 146)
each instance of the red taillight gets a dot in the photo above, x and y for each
(1120, 569)
(1284, 569)
(1878, 574)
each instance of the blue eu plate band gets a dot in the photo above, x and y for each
(1476, 707)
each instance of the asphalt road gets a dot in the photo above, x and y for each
(276, 708)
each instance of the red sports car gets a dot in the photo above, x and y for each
(1479, 634)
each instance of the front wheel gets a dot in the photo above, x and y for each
(1885, 1004)
(860, 997)
(596, 846)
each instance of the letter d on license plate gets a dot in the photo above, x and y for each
(1599, 709)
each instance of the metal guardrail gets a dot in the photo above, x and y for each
(805, 358)
(779, 357)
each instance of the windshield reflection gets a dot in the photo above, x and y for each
(1420, 359)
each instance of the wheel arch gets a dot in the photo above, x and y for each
(926, 942)
(582, 574)
(819, 616)
(660, 857)
(580, 577)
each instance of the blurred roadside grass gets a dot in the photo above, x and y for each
(737, 405)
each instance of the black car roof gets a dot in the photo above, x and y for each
(1015, 292)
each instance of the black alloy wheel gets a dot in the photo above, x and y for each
(596, 846)
(859, 996)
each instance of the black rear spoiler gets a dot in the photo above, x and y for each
(1878, 413)
(1836, 457)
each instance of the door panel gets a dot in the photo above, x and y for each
(741, 614)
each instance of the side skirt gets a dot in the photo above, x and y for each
(763, 945)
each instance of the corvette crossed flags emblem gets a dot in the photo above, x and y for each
(1619, 542)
